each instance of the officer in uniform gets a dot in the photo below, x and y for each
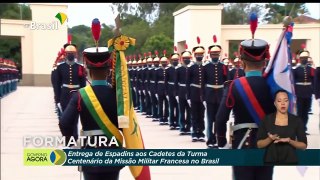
(214, 75)
(70, 76)
(1, 77)
(134, 83)
(161, 93)
(106, 97)
(147, 77)
(172, 91)
(132, 74)
(139, 83)
(153, 88)
(195, 94)
(237, 71)
(59, 59)
(303, 78)
(253, 53)
(180, 82)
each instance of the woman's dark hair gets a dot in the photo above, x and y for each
(279, 91)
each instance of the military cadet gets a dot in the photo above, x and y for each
(59, 59)
(153, 88)
(70, 76)
(180, 82)
(214, 75)
(132, 73)
(1, 77)
(238, 96)
(237, 71)
(172, 91)
(317, 86)
(139, 83)
(147, 77)
(161, 93)
(303, 78)
(134, 83)
(92, 126)
(195, 94)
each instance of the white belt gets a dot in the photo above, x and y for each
(214, 86)
(152, 82)
(244, 125)
(171, 83)
(71, 85)
(92, 132)
(196, 85)
(304, 83)
(184, 85)
(160, 81)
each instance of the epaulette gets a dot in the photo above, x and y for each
(190, 64)
(80, 64)
(60, 63)
(207, 62)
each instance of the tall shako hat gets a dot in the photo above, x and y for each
(198, 49)
(175, 55)
(149, 59)
(134, 61)
(164, 57)
(186, 53)
(69, 47)
(156, 58)
(254, 50)
(97, 57)
(304, 52)
(215, 48)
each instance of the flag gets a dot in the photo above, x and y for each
(132, 135)
(279, 72)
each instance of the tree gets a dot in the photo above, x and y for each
(15, 11)
(238, 13)
(277, 12)
(158, 42)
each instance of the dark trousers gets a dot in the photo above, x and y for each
(173, 111)
(197, 113)
(184, 114)
(163, 110)
(133, 95)
(252, 172)
(137, 98)
(155, 105)
(64, 100)
(303, 106)
(212, 109)
(148, 104)
(142, 102)
(102, 176)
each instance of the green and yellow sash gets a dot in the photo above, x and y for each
(93, 105)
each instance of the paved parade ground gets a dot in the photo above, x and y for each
(30, 111)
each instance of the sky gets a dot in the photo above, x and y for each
(84, 13)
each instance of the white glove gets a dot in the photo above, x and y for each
(205, 104)
(139, 92)
(59, 106)
(157, 96)
(177, 98)
(167, 98)
(149, 93)
(189, 102)
(134, 89)
(144, 91)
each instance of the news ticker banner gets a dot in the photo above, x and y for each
(157, 157)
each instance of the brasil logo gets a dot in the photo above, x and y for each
(58, 157)
(61, 17)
